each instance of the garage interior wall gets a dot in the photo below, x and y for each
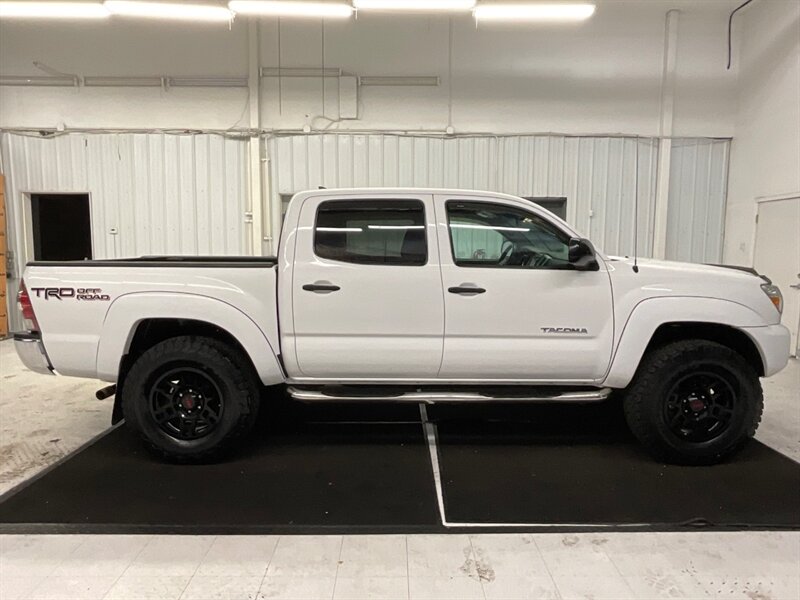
(597, 175)
(698, 181)
(602, 76)
(765, 154)
(149, 194)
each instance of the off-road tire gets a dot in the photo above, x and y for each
(645, 398)
(234, 376)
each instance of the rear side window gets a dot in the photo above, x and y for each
(372, 232)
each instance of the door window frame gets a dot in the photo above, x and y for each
(498, 202)
(326, 201)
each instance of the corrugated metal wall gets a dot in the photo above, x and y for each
(698, 186)
(163, 194)
(597, 175)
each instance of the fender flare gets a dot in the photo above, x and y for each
(129, 310)
(652, 313)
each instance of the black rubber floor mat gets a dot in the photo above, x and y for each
(580, 465)
(366, 469)
(294, 476)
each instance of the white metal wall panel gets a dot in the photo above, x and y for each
(598, 175)
(697, 197)
(162, 194)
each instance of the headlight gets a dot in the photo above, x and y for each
(774, 294)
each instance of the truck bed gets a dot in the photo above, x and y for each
(89, 311)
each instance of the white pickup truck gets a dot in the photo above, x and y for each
(420, 295)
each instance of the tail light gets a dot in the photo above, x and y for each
(26, 308)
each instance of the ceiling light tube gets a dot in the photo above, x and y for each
(53, 10)
(533, 12)
(415, 5)
(292, 8)
(165, 10)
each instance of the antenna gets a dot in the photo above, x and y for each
(636, 211)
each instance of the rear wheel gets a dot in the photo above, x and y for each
(694, 402)
(190, 397)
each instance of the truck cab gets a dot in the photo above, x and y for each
(437, 288)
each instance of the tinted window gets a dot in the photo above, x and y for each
(372, 232)
(495, 235)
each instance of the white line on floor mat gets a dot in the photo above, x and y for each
(430, 435)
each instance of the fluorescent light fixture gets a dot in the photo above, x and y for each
(167, 10)
(399, 80)
(533, 12)
(292, 8)
(415, 5)
(53, 10)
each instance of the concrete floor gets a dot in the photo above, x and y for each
(44, 418)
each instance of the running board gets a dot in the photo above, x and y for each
(433, 397)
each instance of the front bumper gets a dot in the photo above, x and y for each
(31, 352)
(773, 343)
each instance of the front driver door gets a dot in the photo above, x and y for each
(515, 308)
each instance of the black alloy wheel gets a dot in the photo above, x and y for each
(700, 406)
(693, 402)
(191, 398)
(186, 403)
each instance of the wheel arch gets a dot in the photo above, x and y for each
(135, 322)
(659, 321)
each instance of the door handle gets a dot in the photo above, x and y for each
(466, 290)
(321, 287)
(795, 286)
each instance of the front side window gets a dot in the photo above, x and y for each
(372, 232)
(483, 234)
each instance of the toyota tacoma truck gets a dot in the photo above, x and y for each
(412, 295)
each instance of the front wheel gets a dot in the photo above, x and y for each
(694, 402)
(190, 397)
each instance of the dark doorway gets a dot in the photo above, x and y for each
(62, 228)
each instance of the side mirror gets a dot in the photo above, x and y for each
(582, 255)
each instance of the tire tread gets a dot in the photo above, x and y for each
(202, 348)
(653, 368)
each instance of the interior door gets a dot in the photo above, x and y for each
(367, 289)
(777, 255)
(515, 309)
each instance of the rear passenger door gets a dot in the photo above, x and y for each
(367, 290)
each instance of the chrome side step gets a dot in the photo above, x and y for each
(433, 397)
